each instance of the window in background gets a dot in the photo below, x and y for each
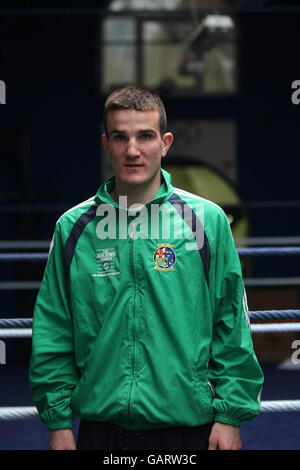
(118, 64)
(186, 56)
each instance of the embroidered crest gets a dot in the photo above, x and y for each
(164, 257)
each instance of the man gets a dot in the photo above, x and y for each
(141, 324)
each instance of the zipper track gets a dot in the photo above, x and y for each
(131, 238)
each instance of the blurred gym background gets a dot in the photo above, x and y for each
(224, 69)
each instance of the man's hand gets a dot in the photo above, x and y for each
(225, 437)
(62, 439)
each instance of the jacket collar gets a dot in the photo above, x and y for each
(164, 193)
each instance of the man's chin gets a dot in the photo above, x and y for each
(135, 179)
(138, 179)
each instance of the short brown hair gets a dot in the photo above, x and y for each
(139, 98)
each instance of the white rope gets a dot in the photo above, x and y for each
(24, 244)
(274, 327)
(17, 412)
(267, 241)
(33, 244)
(38, 244)
(249, 282)
(19, 285)
(15, 332)
(255, 328)
(272, 281)
(25, 412)
(280, 405)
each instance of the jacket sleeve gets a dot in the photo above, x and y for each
(53, 373)
(234, 371)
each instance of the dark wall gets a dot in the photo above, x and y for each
(269, 126)
(49, 138)
(49, 66)
(269, 121)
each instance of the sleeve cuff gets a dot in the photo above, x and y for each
(59, 425)
(225, 419)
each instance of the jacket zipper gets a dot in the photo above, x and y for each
(131, 238)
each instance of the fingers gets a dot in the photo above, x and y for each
(212, 443)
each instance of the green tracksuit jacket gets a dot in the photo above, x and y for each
(141, 318)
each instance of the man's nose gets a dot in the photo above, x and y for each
(132, 150)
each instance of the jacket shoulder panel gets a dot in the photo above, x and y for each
(69, 218)
(194, 199)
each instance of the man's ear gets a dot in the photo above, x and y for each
(105, 142)
(167, 142)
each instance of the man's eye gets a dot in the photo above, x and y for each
(146, 136)
(119, 137)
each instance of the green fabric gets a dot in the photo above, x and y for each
(120, 339)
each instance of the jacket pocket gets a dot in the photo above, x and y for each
(204, 387)
(211, 387)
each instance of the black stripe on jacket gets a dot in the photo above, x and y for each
(76, 231)
(189, 216)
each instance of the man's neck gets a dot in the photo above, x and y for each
(135, 194)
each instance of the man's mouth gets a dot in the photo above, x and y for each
(133, 165)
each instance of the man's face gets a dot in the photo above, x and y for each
(135, 146)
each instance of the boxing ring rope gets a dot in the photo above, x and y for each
(243, 252)
(244, 241)
(256, 315)
(263, 317)
(8, 413)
